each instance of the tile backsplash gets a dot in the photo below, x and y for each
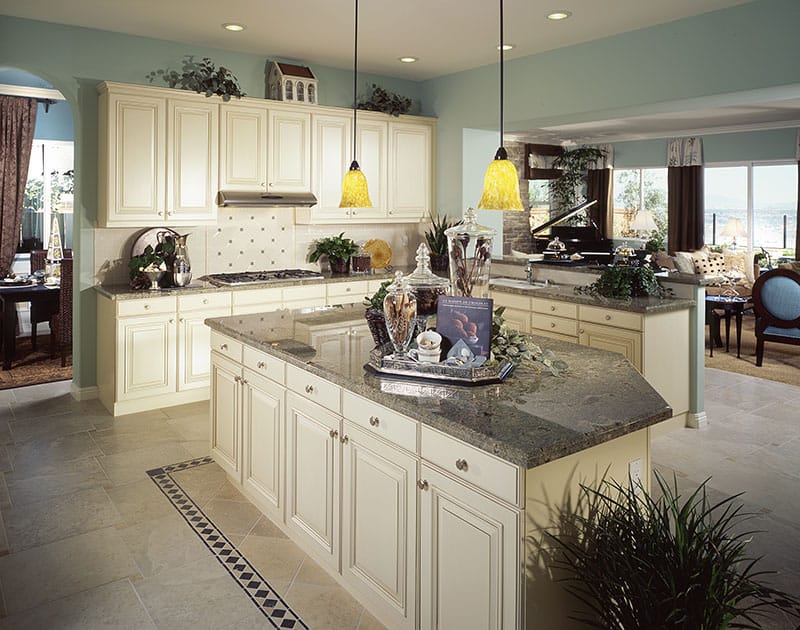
(251, 239)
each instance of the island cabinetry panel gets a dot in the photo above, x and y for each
(380, 421)
(626, 342)
(289, 150)
(379, 517)
(243, 147)
(469, 557)
(226, 415)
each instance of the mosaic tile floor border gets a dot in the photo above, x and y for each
(260, 592)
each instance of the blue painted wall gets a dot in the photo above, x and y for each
(55, 124)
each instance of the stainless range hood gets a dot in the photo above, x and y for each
(261, 198)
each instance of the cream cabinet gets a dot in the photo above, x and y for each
(330, 140)
(226, 415)
(410, 190)
(628, 343)
(289, 150)
(372, 150)
(275, 298)
(243, 147)
(194, 337)
(157, 158)
(146, 364)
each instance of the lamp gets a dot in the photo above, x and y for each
(501, 183)
(733, 228)
(355, 193)
(643, 222)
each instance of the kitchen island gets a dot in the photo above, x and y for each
(428, 502)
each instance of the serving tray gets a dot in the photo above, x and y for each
(381, 362)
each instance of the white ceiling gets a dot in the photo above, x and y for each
(446, 35)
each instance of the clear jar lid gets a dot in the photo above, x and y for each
(469, 228)
(422, 276)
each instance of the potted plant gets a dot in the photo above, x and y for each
(338, 250)
(381, 100)
(639, 561)
(146, 269)
(202, 77)
(623, 282)
(374, 314)
(575, 166)
(437, 240)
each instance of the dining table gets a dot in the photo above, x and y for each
(10, 295)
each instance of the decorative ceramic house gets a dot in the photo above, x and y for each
(295, 84)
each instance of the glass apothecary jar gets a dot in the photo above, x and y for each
(427, 287)
(400, 311)
(361, 261)
(470, 248)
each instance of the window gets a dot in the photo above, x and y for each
(300, 92)
(539, 198)
(638, 188)
(763, 197)
(49, 188)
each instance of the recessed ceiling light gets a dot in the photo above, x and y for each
(408, 59)
(559, 15)
(231, 26)
(507, 46)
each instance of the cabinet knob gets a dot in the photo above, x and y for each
(461, 464)
(422, 484)
(238, 379)
(223, 346)
(390, 212)
(205, 300)
(345, 439)
(334, 433)
(552, 324)
(172, 321)
(608, 317)
(552, 308)
(147, 307)
(581, 331)
(309, 389)
(181, 320)
(348, 289)
(160, 213)
(243, 381)
(374, 421)
(261, 365)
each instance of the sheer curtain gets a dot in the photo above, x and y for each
(598, 186)
(797, 223)
(685, 195)
(17, 120)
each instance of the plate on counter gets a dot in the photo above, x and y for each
(380, 253)
(150, 237)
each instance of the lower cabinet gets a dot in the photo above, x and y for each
(146, 364)
(628, 343)
(469, 557)
(226, 415)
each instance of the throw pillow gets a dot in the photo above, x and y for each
(712, 264)
(664, 260)
(684, 262)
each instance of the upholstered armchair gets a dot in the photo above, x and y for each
(776, 302)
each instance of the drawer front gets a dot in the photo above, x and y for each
(374, 285)
(311, 292)
(511, 300)
(554, 307)
(349, 290)
(204, 301)
(269, 298)
(471, 464)
(312, 387)
(265, 364)
(548, 323)
(226, 346)
(608, 317)
(381, 421)
(147, 306)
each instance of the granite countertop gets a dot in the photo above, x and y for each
(566, 293)
(528, 420)
(125, 292)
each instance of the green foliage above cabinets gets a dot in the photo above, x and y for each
(202, 77)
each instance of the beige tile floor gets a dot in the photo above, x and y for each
(88, 540)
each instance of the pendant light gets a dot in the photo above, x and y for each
(501, 184)
(355, 193)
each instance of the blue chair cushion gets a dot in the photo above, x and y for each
(781, 297)
(782, 332)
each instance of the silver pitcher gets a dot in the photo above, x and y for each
(181, 267)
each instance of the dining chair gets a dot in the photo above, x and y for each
(41, 311)
(61, 321)
(776, 302)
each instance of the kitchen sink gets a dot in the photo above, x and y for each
(520, 283)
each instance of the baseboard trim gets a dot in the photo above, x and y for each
(125, 407)
(696, 420)
(84, 393)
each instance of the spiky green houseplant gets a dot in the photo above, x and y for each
(436, 239)
(638, 561)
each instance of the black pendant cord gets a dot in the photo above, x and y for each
(502, 86)
(355, 82)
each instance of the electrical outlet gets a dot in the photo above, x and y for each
(635, 472)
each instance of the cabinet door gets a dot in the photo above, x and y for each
(226, 418)
(192, 153)
(133, 188)
(469, 558)
(379, 519)
(517, 319)
(243, 148)
(146, 350)
(371, 151)
(410, 181)
(312, 477)
(194, 348)
(331, 142)
(289, 162)
(627, 342)
(262, 427)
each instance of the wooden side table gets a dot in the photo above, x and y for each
(732, 306)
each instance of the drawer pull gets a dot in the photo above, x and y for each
(309, 389)
(581, 331)
(422, 484)
(334, 433)
(345, 439)
(461, 464)
(374, 421)
(205, 300)
(223, 346)
(181, 320)
(608, 318)
(243, 381)
(238, 379)
(348, 289)
(261, 365)
(147, 307)
(552, 308)
(552, 324)
(172, 321)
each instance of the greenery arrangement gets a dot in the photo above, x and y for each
(148, 259)
(376, 301)
(334, 247)
(202, 77)
(381, 100)
(436, 237)
(635, 561)
(623, 283)
(575, 166)
(511, 345)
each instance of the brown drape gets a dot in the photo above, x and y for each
(686, 208)
(17, 120)
(598, 186)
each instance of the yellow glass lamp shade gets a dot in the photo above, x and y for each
(355, 193)
(501, 185)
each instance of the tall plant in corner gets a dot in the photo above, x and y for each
(571, 185)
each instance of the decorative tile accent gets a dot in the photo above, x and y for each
(274, 608)
(249, 239)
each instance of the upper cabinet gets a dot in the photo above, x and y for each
(242, 147)
(289, 151)
(331, 157)
(410, 182)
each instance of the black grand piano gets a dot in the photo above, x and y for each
(587, 241)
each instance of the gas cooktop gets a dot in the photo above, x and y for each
(262, 277)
